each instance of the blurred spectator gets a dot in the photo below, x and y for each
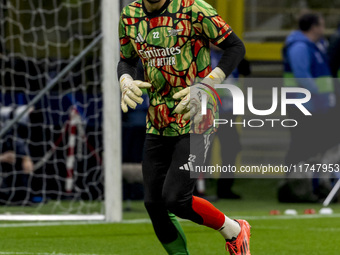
(10, 158)
(15, 168)
(16, 165)
(306, 65)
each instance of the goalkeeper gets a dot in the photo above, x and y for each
(172, 37)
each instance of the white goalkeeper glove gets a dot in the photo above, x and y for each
(131, 92)
(191, 105)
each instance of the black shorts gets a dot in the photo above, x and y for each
(169, 166)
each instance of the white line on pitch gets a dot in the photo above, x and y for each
(54, 223)
(290, 217)
(140, 221)
(277, 217)
(305, 229)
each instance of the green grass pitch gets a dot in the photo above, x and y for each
(271, 235)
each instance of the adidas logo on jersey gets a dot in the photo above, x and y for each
(187, 167)
(139, 39)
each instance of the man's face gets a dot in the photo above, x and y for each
(319, 30)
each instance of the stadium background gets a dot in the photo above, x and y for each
(263, 25)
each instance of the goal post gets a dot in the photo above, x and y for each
(112, 113)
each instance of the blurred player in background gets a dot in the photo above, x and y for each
(172, 37)
(305, 59)
(306, 65)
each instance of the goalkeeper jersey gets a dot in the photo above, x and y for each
(173, 44)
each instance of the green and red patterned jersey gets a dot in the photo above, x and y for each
(173, 45)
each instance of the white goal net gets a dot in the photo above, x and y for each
(51, 161)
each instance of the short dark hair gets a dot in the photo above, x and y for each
(308, 20)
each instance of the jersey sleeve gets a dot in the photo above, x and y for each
(208, 23)
(127, 51)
